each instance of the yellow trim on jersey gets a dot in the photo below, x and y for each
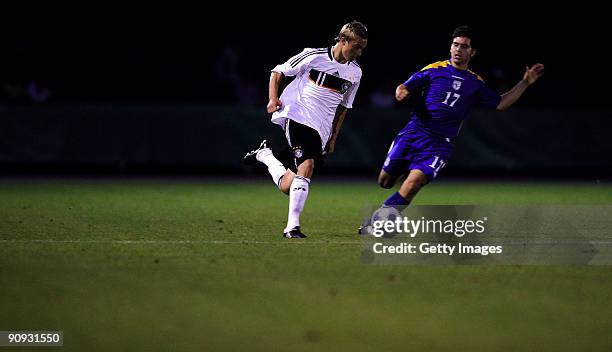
(477, 76)
(446, 63)
(437, 65)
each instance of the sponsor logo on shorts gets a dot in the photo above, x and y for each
(298, 152)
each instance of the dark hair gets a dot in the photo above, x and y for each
(466, 31)
(352, 29)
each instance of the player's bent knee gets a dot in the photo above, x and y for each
(306, 168)
(285, 182)
(386, 181)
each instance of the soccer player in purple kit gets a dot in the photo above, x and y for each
(446, 91)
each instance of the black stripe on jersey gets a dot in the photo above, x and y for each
(329, 52)
(355, 63)
(298, 60)
(329, 81)
(302, 55)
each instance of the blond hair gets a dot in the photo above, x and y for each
(351, 30)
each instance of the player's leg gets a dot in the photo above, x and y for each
(386, 180)
(426, 155)
(306, 147)
(298, 194)
(306, 168)
(424, 168)
(396, 163)
(398, 201)
(286, 180)
(277, 170)
(413, 183)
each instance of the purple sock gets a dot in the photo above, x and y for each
(397, 201)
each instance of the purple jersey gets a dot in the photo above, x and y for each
(446, 95)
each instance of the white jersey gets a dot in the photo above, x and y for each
(320, 85)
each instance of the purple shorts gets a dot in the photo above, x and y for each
(414, 149)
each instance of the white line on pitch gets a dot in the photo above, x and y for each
(178, 242)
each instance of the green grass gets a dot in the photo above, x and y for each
(197, 265)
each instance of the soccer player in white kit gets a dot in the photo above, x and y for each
(311, 110)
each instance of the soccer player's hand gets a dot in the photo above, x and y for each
(329, 148)
(274, 105)
(401, 92)
(533, 73)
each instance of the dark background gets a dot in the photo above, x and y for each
(113, 60)
(190, 58)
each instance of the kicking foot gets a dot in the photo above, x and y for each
(251, 157)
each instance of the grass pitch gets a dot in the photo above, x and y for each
(200, 265)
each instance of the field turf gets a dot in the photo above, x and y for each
(200, 265)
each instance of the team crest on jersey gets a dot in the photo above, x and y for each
(345, 87)
(456, 85)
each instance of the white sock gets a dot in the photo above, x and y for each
(275, 167)
(297, 198)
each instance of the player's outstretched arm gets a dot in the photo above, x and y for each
(530, 77)
(401, 92)
(274, 103)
